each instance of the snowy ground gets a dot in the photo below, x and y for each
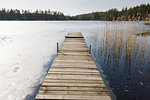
(25, 51)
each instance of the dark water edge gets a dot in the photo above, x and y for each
(124, 57)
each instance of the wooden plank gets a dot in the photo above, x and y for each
(80, 41)
(73, 46)
(71, 43)
(75, 50)
(76, 58)
(72, 97)
(75, 66)
(84, 56)
(73, 70)
(74, 38)
(90, 77)
(93, 93)
(75, 61)
(71, 62)
(96, 89)
(48, 80)
(82, 47)
(72, 85)
(73, 74)
(74, 35)
(70, 73)
(72, 54)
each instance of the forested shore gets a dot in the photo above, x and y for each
(138, 13)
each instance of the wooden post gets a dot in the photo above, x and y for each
(57, 47)
(90, 49)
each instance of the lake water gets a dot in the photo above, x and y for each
(27, 49)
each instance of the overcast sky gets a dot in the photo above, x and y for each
(70, 7)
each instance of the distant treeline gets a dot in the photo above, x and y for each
(141, 12)
(14, 14)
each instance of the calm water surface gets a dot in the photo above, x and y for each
(123, 52)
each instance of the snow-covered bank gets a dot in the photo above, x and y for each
(25, 49)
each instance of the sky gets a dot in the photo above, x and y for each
(70, 7)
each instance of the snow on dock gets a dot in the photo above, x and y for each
(73, 74)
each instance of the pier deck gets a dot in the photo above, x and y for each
(73, 74)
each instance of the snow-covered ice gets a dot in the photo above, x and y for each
(26, 49)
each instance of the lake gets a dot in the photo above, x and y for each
(120, 49)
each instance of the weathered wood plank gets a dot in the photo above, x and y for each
(90, 77)
(75, 61)
(93, 93)
(72, 84)
(79, 41)
(75, 74)
(74, 46)
(70, 43)
(74, 57)
(72, 54)
(70, 72)
(75, 66)
(74, 38)
(75, 50)
(71, 62)
(73, 70)
(96, 89)
(72, 97)
(47, 80)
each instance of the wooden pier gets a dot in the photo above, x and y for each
(73, 74)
